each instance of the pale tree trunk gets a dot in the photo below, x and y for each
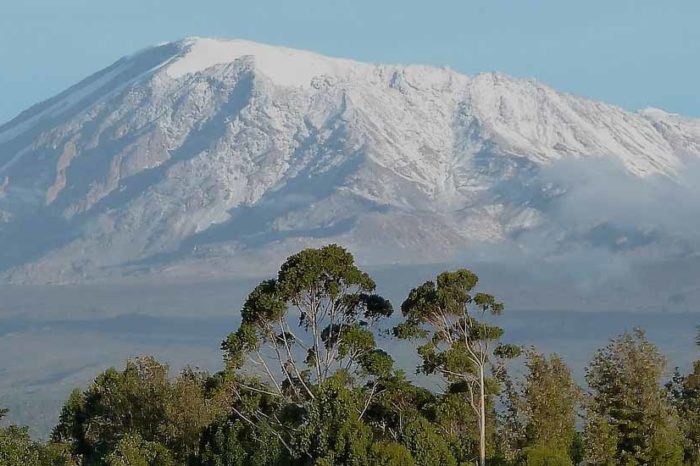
(482, 418)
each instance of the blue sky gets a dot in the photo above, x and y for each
(631, 53)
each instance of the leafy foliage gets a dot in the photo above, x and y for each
(144, 404)
(546, 456)
(132, 450)
(16, 448)
(232, 442)
(332, 431)
(315, 319)
(457, 341)
(539, 413)
(426, 444)
(306, 383)
(551, 397)
(627, 407)
(684, 391)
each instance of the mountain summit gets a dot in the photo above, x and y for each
(214, 157)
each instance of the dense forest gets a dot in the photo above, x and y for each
(307, 379)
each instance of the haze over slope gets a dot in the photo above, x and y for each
(218, 157)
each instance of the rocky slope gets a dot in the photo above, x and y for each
(216, 157)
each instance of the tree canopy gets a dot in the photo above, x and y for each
(308, 378)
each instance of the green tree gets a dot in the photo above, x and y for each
(539, 412)
(458, 342)
(132, 401)
(543, 455)
(685, 396)
(390, 454)
(141, 401)
(331, 430)
(16, 447)
(306, 383)
(628, 408)
(550, 403)
(193, 401)
(426, 445)
(56, 454)
(313, 322)
(511, 435)
(233, 442)
(398, 402)
(132, 450)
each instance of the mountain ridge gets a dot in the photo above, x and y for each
(187, 156)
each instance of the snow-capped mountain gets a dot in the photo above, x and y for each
(215, 157)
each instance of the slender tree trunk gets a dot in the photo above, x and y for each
(482, 418)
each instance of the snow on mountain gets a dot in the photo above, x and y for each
(209, 157)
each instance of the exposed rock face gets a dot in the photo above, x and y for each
(216, 157)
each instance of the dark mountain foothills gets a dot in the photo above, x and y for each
(308, 377)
